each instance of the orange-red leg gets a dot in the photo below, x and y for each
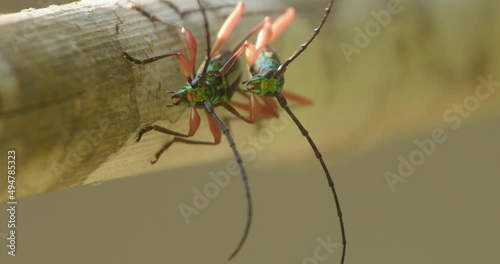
(268, 109)
(184, 63)
(194, 124)
(269, 32)
(192, 47)
(253, 108)
(227, 28)
(265, 34)
(296, 98)
(282, 23)
(233, 59)
(271, 107)
(187, 66)
(214, 127)
(247, 36)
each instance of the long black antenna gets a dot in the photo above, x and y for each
(282, 68)
(210, 108)
(207, 36)
(283, 103)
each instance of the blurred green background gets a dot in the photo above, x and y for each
(367, 113)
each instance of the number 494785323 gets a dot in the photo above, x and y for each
(11, 172)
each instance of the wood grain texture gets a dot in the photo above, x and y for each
(71, 105)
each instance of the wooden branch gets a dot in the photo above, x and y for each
(70, 105)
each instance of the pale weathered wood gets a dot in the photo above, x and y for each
(70, 105)
(70, 102)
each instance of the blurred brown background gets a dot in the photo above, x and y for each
(428, 58)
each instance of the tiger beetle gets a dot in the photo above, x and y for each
(267, 81)
(217, 79)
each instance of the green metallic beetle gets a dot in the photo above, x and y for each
(218, 78)
(268, 80)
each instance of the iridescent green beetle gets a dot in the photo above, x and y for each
(218, 78)
(268, 80)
